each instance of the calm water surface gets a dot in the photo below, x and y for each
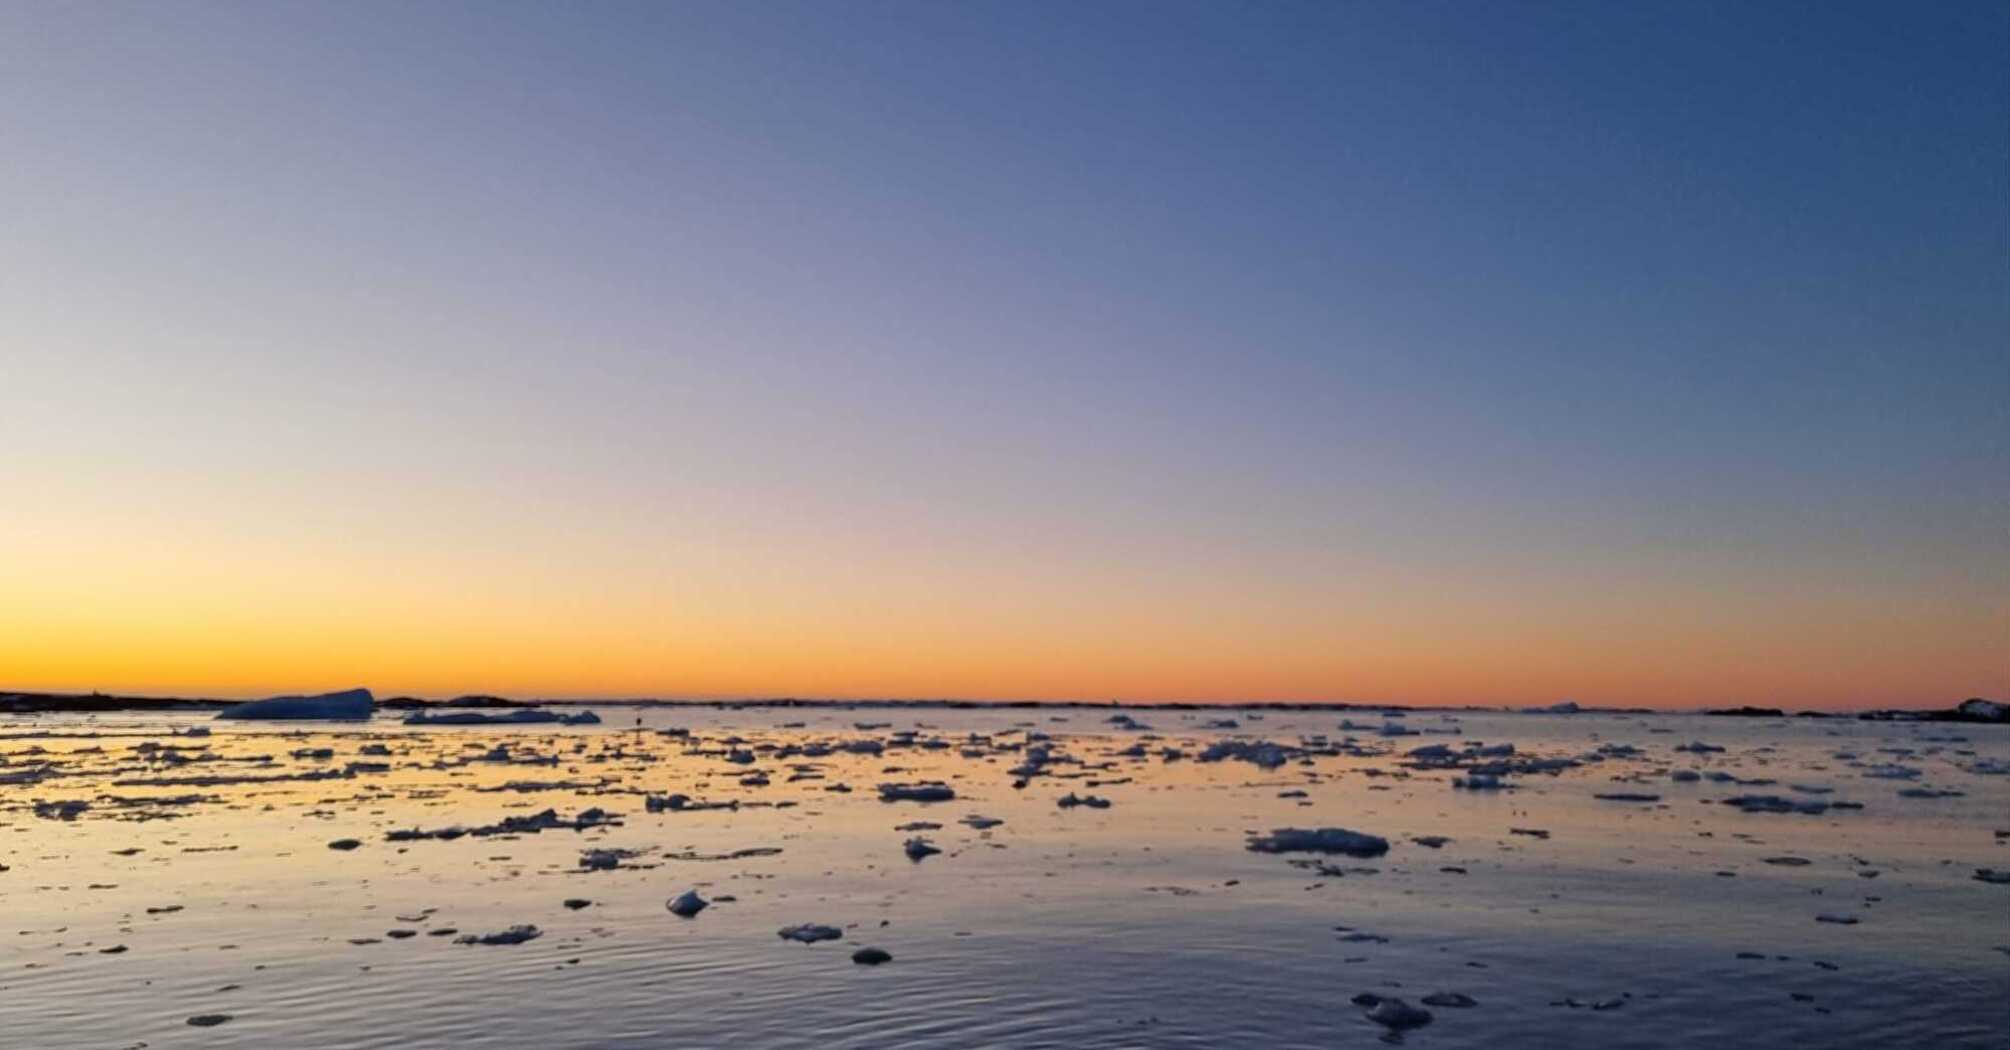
(195, 885)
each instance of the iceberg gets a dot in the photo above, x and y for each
(519, 716)
(347, 704)
(1977, 709)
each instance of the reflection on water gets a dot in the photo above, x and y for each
(200, 881)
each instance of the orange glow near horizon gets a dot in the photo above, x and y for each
(248, 619)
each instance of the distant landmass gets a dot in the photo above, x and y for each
(1973, 710)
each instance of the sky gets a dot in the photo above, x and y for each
(1643, 354)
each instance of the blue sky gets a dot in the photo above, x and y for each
(1670, 329)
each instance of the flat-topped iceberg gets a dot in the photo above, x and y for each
(519, 716)
(347, 704)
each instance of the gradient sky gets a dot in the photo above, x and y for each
(1440, 353)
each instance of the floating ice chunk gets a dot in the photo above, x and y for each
(513, 935)
(1777, 804)
(1393, 1014)
(1319, 840)
(918, 847)
(687, 904)
(927, 791)
(1260, 753)
(871, 956)
(810, 933)
(604, 859)
(347, 704)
